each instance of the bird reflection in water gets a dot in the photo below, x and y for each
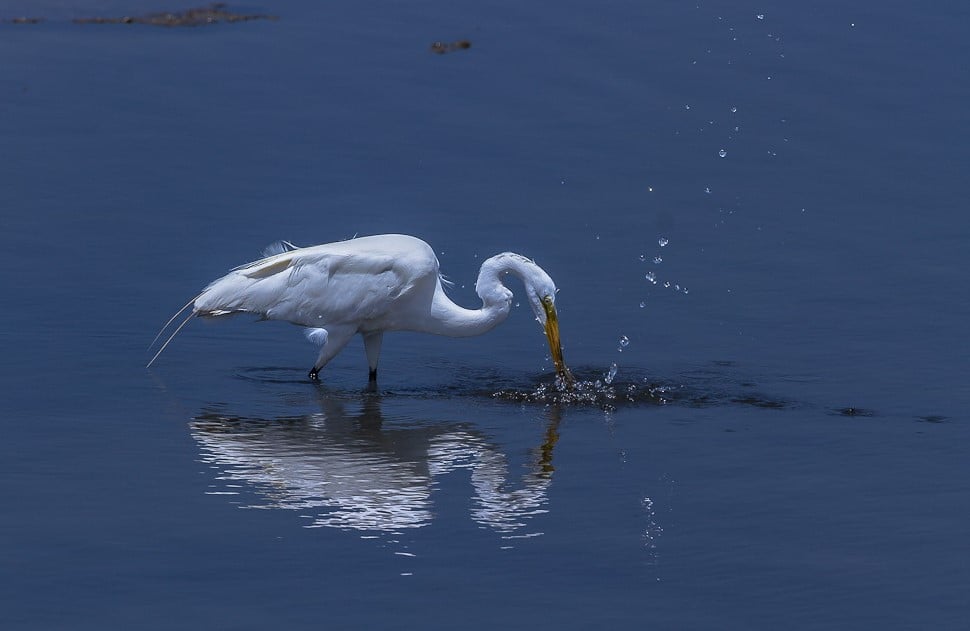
(350, 471)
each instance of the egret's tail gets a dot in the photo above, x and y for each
(239, 291)
(168, 324)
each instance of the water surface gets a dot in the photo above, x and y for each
(783, 440)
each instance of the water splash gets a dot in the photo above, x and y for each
(703, 387)
(653, 529)
(611, 374)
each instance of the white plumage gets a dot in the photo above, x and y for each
(370, 285)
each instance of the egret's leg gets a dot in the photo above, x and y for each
(319, 337)
(335, 340)
(372, 346)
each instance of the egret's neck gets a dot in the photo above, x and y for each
(451, 319)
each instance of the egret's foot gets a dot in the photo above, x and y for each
(314, 374)
(372, 376)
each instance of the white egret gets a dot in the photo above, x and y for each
(370, 285)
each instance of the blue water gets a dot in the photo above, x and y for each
(784, 441)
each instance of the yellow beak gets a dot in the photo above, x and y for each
(555, 346)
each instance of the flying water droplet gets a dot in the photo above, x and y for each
(760, 16)
(722, 153)
(608, 377)
(643, 257)
(734, 110)
(663, 241)
(658, 260)
(644, 304)
(651, 277)
(667, 284)
(624, 342)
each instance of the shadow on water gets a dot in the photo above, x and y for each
(716, 385)
(345, 467)
(719, 384)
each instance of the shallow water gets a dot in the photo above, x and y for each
(783, 441)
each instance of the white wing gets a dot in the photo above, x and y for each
(380, 280)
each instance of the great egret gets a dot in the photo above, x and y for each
(370, 285)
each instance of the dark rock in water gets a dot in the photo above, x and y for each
(200, 16)
(23, 20)
(441, 48)
(850, 411)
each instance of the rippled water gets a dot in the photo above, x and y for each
(755, 219)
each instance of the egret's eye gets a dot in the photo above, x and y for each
(547, 300)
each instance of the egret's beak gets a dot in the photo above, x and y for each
(555, 347)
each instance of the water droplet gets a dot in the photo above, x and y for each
(667, 284)
(676, 287)
(760, 16)
(657, 260)
(722, 153)
(707, 189)
(685, 290)
(649, 189)
(643, 304)
(686, 107)
(663, 241)
(734, 110)
(643, 257)
(651, 277)
(608, 377)
(624, 342)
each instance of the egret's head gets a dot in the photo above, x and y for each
(542, 297)
(541, 293)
